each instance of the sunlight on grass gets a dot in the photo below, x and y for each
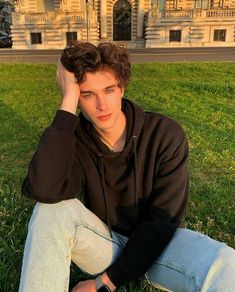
(200, 96)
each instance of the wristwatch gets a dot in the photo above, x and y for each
(100, 286)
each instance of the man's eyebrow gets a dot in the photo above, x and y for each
(113, 85)
(86, 91)
(89, 91)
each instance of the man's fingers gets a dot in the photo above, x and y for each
(63, 72)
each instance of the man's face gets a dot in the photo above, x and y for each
(100, 100)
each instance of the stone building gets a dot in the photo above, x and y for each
(52, 24)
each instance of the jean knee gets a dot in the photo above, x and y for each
(221, 275)
(225, 260)
(51, 215)
(43, 209)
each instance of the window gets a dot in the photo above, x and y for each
(71, 37)
(175, 35)
(219, 35)
(201, 4)
(197, 4)
(45, 5)
(36, 38)
(216, 4)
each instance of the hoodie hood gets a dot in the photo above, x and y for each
(90, 137)
(128, 156)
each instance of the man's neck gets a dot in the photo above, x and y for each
(115, 138)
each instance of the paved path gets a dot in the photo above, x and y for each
(137, 55)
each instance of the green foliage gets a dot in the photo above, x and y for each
(198, 95)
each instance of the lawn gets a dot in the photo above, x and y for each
(198, 95)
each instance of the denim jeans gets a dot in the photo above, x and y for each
(65, 231)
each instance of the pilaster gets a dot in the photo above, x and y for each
(103, 19)
(140, 21)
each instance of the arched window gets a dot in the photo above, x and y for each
(122, 21)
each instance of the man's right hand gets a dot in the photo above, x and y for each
(69, 88)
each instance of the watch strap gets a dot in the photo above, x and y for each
(100, 284)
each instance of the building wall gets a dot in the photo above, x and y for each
(153, 22)
(197, 22)
(52, 19)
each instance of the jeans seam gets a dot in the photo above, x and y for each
(175, 267)
(85, 225)
(189, 275)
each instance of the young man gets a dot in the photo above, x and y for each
(132, 168)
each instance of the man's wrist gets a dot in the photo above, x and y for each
(107, 283)
(69, 104)
(100, 285)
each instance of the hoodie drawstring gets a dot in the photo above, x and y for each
(107, 217)
(135, 171)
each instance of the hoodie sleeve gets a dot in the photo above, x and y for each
(49, 178)
(163, 215)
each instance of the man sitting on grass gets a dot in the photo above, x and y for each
(131, 166)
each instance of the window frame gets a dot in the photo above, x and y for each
(71, 33)
(218, 37)
(36, 38)
(177, 37)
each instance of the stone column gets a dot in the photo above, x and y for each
(140, 21)
(103, 19)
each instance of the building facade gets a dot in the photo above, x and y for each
(53, 24)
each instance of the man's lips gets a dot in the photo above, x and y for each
(104, 117)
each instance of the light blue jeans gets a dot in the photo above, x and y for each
(59, 233)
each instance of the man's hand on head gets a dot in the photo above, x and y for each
(69, 89)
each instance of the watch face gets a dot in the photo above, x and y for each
(104, 289)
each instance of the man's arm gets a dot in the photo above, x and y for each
(69, 88)
(49, 178)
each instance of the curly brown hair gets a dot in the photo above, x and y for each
(81, 57)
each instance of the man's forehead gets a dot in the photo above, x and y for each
(106, 73)
(100, 79)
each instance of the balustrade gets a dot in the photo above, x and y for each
(48, 17)
(155, 14)
(220, 13)
(177, 14)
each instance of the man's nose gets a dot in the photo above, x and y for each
(101, 103)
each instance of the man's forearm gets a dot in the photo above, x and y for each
(69, 104)
(69, 89)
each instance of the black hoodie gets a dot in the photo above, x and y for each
(140, 192)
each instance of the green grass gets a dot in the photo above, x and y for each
(198, 95)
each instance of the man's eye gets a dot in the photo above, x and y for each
(87, 95)
(109, 90)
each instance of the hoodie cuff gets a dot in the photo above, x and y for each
(65, 121)
(117, 275)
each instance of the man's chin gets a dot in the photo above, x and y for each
(104, 126)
